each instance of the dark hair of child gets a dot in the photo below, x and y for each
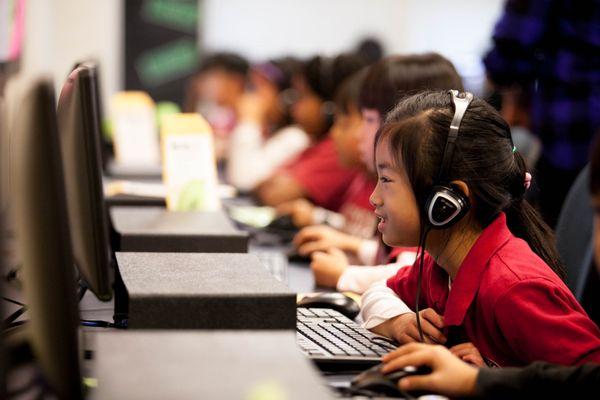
(348, 95)
(324, 75)
(229, 62)
(393, 78)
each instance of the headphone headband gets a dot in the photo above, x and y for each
(461, 102)
(446, 205)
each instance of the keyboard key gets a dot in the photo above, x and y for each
(320, 312)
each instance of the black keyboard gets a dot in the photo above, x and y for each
(329, 338)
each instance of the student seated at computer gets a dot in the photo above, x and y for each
(355, 223)
(386, 82)
(316, 173)
(452, 377)
(263, 139)
(214, 91)
(491, 275)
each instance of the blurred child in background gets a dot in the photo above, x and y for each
(385, 83)
(215, 91)
(263, 139)
(316, 174)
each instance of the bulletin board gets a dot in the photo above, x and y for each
(161, 46)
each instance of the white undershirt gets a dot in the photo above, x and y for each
(252, 158)
(358, 278)
(380, 303)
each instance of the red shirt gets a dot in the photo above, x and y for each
(359, 215)
(319, 172)
(507, 301)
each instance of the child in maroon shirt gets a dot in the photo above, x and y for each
(493, 277)
(316, 174)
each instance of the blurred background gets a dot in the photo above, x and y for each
(57, 32)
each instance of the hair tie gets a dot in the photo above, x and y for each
(527, 180)
(514, 149)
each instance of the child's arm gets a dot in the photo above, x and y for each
(249, 152)
(543, 321)
(451, 377)
(380, 304)
(331, 268)
(278, 189)
(358, 278)
(304, 213)
(387, 315)
(322, 238)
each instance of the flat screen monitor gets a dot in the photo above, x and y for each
(80, 126)
(44, 243)
(3, 364)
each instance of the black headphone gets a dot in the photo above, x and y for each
(446, 204)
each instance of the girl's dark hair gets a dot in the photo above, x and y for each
(324, 75)
(280, 71)
(595, 166)
(347, 97)
(230, 62)
(393, 78)
(417, 130)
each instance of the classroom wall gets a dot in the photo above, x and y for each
(266, 28)
(259, 29)
(59, 32)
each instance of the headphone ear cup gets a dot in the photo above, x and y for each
(445, 206)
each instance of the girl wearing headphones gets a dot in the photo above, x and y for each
(488, 278)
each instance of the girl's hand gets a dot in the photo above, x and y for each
(468, 353)
(328, 266)
(403, 328)
(300, 210)
(323, 238)
(252, 108)
(449, 375)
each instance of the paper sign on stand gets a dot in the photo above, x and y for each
(136, 139)
(189, 166)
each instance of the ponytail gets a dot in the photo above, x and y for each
(526, 223)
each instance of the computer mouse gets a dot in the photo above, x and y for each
(375, 382)
(283, 222)
(283, 227)
(293, 256)
(335, 300)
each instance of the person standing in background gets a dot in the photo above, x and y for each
(550, 50)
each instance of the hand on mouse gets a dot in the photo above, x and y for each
(403, 328)
(328, 266)
(322, 238)
(450, 376)
(301, 211)
(468, 353)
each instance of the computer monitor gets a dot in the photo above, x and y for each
(80, 126)
(3, 366)
(44, 242)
